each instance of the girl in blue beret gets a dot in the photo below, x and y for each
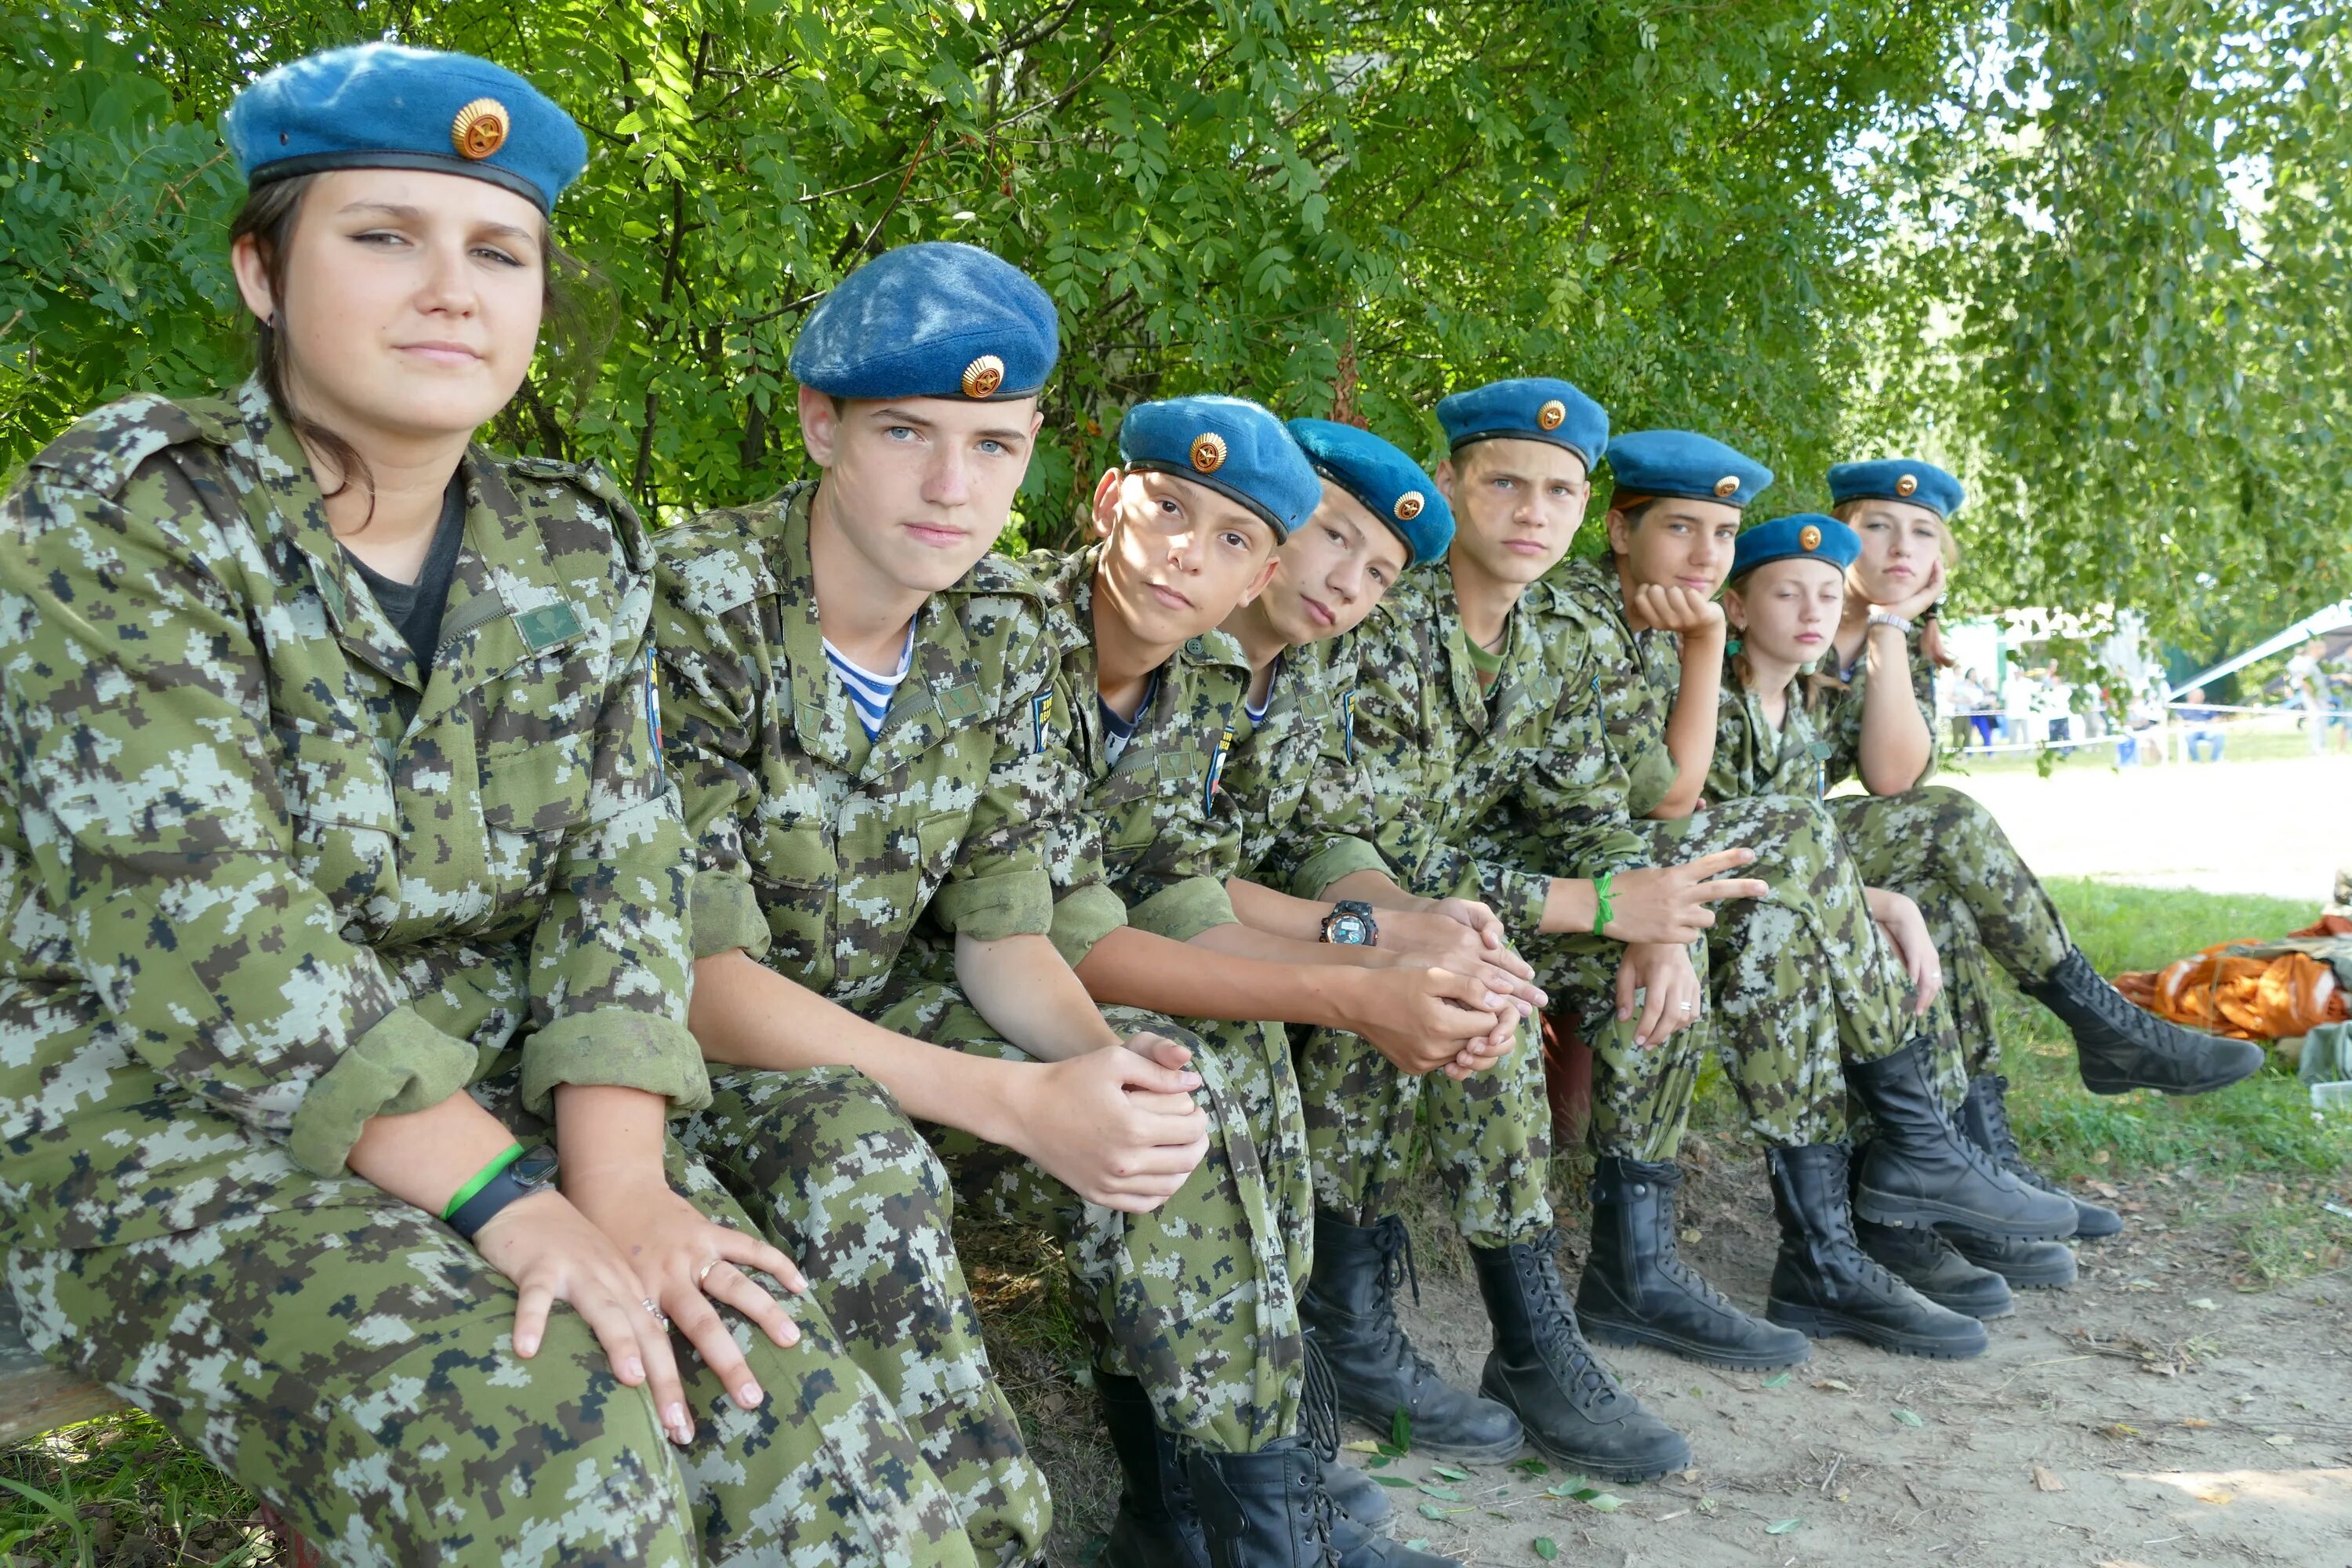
(350, 904)
(1983, 905)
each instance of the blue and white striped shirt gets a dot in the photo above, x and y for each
(871, 693)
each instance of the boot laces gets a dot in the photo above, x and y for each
(1555, 1330)
(1318, 1425)
(2001, 1139)
(1395, 1243)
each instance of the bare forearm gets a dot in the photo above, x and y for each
(746, 1015)
(1027, 993)
(1377, 888)
(1690, 727)
(1190, 980)
(1896, 745)
(608, 1136)
(427, 1155)
(1571, 907)
(1262, 908)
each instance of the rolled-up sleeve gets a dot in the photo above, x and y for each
(135, 712)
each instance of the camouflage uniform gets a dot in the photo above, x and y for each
(1797, 981)
(1943, 850)
(1443, 761)
(256, 905)
(1165, 856)
(820, 852)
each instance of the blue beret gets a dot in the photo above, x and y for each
(1808, 535)
(1392, 486)
(1897, 478)
(1532, 408)
(1229, 444)
(930, 319)
(386, 106)
(1692, 467)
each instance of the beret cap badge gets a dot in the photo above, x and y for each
(1727, 484)
(1906, 484)
(1409, 505)
(479, 129)
(982, 377)
(1809, 537)
(1551, 415)
(1208, 451)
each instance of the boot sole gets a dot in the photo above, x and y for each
(1957, 1304)
(1883, 1208)
(1636, 1336)
(2020, 1281)
(1381, 1422)
(1585, 1465)
(1816, 1324)
(2202, 1086)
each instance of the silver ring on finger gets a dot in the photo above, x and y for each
(1689, 1006)
(650, 1305)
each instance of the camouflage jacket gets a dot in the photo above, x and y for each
(1292, 791)
(1751, 757)
(1165, 849)
(822, 851)
(1837, 711)
(1636, 676)
(251, 908)
(1485, 795)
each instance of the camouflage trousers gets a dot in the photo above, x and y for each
(1945, 851)
(844, 1184)
(1195, 1299)
(1796, 984)
(1490, 1135)
(354, 1366)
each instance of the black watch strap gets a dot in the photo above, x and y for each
(527, 1176)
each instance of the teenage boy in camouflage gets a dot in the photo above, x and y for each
(851, 683)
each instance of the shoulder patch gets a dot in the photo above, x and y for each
(104, 447)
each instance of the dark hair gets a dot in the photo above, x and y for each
(571, 330)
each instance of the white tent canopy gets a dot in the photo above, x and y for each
(2311, 626)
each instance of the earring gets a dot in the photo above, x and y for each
(272, 322)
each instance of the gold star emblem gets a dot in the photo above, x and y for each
(1551, 415)
(1208, 451)
(982, 377)
(1409, 505)
(1906, 484)
(480, 127)
(1809, 537)
(1728, 485)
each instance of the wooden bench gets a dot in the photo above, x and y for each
(37, 1398)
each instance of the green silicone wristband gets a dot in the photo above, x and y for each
(1603, 911)
(512, 1153)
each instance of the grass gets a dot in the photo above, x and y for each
(119, 1492)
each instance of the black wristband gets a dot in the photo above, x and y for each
(527, 1176)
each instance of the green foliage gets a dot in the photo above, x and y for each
(2090, 251)
(2139, 256)
(1329, 206)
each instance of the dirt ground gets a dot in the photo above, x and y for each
(2152, 1415)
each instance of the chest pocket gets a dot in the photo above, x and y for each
(1142, 796)
(538, 789)
(338, 790)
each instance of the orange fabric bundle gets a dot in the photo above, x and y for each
(2246, 998)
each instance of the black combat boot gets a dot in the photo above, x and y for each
(1923, 1260)
(1349, 1306)
(2025, 1265)
(1156, 1526)
(1572, 1407)
(1637, 1291)
(1984, 1117)
(1824, 1283)
(2119, 1047)
(1919, 1170)
(1269, 1509)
